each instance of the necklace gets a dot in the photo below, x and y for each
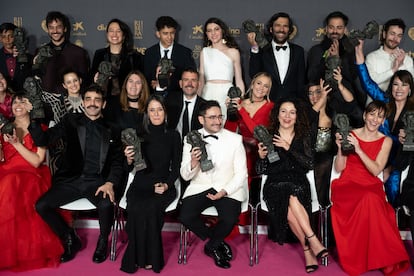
(133, 100)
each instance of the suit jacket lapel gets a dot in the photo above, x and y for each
(274, 63)
(104, 147)
(82, 137)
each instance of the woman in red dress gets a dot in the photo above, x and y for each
(27, 241)
(254, 110)
(364, 225)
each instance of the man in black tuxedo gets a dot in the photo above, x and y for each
(283, 60)
(181, 56)
(176, 103)
(92, 167)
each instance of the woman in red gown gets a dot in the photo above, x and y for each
(364, 225)
(253, 111)
(26, 240)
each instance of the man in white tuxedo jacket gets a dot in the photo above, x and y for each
(221, 187)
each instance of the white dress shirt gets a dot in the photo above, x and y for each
(282, 59)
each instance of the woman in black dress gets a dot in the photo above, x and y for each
(287, 190)
(152, 190)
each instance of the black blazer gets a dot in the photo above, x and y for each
(174, 104)
(22, 71)
(73, 132)
(129, 61)
(294, 83)
(181, 56)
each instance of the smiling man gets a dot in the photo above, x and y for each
(91, 167)
(279, 56)
(64, 54)
(166, 48)
(389, 57)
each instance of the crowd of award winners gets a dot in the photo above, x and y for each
(220, 139)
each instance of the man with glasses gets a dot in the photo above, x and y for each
(221, 187)
(389, 57)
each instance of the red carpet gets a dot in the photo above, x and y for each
(274, 260)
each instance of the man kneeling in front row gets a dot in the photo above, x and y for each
(221, 187)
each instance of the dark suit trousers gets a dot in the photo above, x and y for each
(69, 190)
(228, 211)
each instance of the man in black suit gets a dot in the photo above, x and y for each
(283, 60)
(92, 167)
(181, 56)
(187, 97)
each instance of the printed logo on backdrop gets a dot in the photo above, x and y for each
(18, 21)
(138, 29)
(43, 25)
(197, 32)
(78, 29)
(101, 27)
(196, 51)
(319, 34)
(235, 32)
(141, 50)
(294, 33)
(78, 42)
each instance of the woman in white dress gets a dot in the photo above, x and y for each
(219, 63)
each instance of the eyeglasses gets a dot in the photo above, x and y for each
(213, 118)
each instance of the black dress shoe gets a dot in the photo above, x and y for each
(101, 251)
(218, 257)
(71, 244)
(226, 251)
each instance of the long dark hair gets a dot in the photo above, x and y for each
(230, 41)
(302, 125)
(128, 43)
(146, 122)
(404, 77)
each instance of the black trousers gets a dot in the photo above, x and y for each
(228, 211)
(68, 191)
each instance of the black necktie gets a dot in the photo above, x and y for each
(281, 47)
(211, 135)
(166, 54)
(186, 127)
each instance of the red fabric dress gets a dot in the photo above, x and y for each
(364, 225)
(26, 240)
(246, 125)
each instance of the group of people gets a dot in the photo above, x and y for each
(294, 100)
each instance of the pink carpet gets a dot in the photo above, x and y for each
(274, 260)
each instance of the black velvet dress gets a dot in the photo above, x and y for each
(286, 177)
(162, 152)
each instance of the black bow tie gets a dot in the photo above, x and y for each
(281, 47)
(211, 135)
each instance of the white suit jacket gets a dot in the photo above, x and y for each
(230, 170)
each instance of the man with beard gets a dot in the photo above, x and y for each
(333, 45)
(62, 54)
(279, 56)
(91, 167)
(388, 58)
(183, 107)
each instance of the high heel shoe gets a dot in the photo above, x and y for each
(321, 254)
(310, 268)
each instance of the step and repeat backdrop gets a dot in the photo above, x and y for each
(89, 18)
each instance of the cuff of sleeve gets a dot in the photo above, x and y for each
(254, 49)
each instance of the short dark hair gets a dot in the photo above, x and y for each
(207, 105)
(275, 17)
(165, 21)
(94, 88)
(190, 70)
(7, 27)
(58, 16)
(336, 14)
(394, 22)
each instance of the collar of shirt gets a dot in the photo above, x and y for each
(205, 133)
(162, 49)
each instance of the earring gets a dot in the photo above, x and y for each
(223, 41)
(409, 93)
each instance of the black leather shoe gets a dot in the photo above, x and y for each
(226, 251)
(101, 251)
(218, 257)
(71, 244)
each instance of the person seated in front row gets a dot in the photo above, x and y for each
(27, 241)
(222, 187)
(287, 189)
(91, 167)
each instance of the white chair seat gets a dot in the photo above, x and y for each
(81, 204)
